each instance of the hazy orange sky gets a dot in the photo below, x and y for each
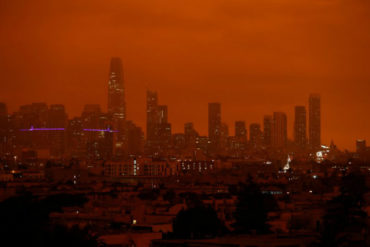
(253, 56)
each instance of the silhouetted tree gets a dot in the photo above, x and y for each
(191, 199)
(252, 208)
(197, 222)
(25, 222)
(344, 223)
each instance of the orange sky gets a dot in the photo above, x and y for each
(253, 56)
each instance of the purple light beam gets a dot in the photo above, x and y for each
(101, 130)
(41, 129)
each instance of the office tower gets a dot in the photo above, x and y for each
(238, 143)
(158, 129)
(3, 118)
(279, 130)
(35, 114)
(91, 117)
(163, 129)
(163, 136)
(314, 121)
(162, 112)
(3, 128)
(41, 111)
(100, 144)
(178, 142)
(117, 105)
(214, 125)
(3, 109)
(189, 128)
(151, 115)
(240, 131)
(202, 143)
(57, 118)
(135, 138)
(224, 136)
(190, 135)
(300, 137)
(91, 108)
(116, 92)
(255, 135)
(76, 142)
(360, 146)
(267, 130)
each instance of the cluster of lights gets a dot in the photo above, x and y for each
(186, 165)
(322, 154)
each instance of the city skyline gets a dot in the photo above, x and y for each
(97, 134)
(270, 61)
(157, 116)
(185, 123)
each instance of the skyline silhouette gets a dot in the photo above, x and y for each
(270, 60)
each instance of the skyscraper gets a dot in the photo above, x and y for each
(300, 137)
(76, 144)
(240, 131)
(267, 130)
(162, 112)
(57, 118)
(163, 128)
(214, 125)
(190, 135)
(238, 143)
(279, 130)
(116, 92)
(360, 146)
(158, 128)
(3, 109)
(91, 116)
(135, 139)
(255, 135)
(224, 136)
(314, 121)
(151, 115)
(3, 127)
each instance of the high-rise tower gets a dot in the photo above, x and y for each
(267, 130)
(314, 121)
(151, 115)
(255, 135)
(214, 125)
(279, 130)
(116, 92)
(300, 126)
(157, 126)
(241, 131)
(57, 118)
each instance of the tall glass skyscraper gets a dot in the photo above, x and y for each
(240, 131)
(314, 121)
(300, 137)
(267, 130)
(151, 115)
(116, 92)
(279, 130)
(214, 125)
